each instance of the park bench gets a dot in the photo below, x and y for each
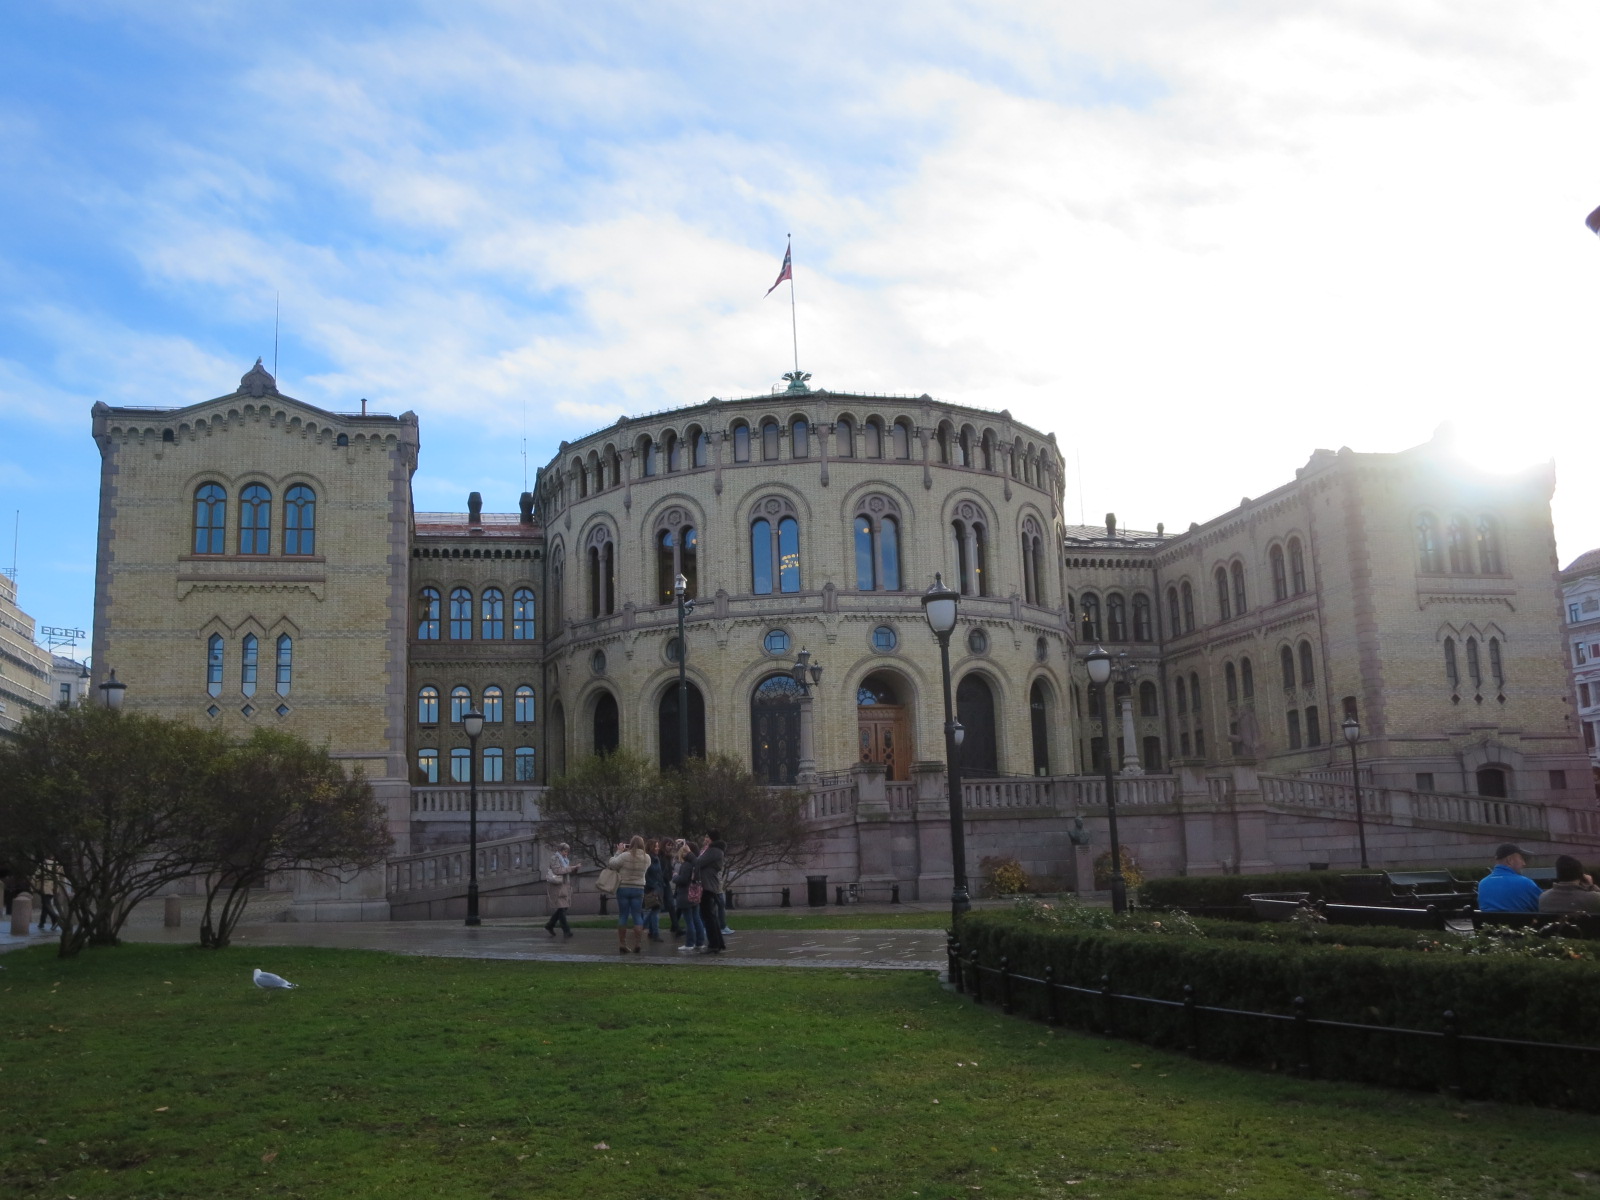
(1278, 906)
(1407, 889)
(1377, 914)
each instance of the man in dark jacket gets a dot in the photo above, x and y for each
(708, 868)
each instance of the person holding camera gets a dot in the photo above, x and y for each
(630, 862)
(708, 867)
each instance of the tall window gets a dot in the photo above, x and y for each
(1174, 621)
(964, 447)
(523, 709)
(1032, 563)
(460, 703)
(1116, 617)
(1142, 628)
(1474, 667)
(428, 705)
(702, 448)
(1091, 617)
(844, 433)
(900, 439)
(1238, 589)
(1428, 543)
(1496, 667)
(493, 705)
(1294, 729)
(494, 764)
(1459, 547)
(1194, 697)
(672, 449)
(872, 438)
(1297, 568)
(1488, 546)
(285, 663)
(492, 626)
(1180, 695)
(602, 562)
(774, 554)
(769, 441)
(1247, 679)
(1308, 674)
(647, 456)
(428, 765)
(741, 443)
(523, 626)
(460, 615)
(971, 552)
(461, 765)
(300, 520)
(1286, 661)
(1280, 575)
(1224, 604)
(788, 555)
(1188, 608)
(944, 438)
(249, 662)
(214, 664)
(525, 765)
(1147, 700)
(877, 546)
(1313, 727)
(986, 447)
(255, 520)
(210, 519)
(800, 438)
(428, 615)
(558, 582)
(677, 551)
(1230, 683)
(1450, 671)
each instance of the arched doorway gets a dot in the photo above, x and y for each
(980, 748)
(883, 725)
(607, 724)
(1493, 782)
(1039, 722)
(775, 730)
(667, 725)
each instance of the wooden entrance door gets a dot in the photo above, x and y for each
(882, 732)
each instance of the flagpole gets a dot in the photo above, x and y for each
(794, 328)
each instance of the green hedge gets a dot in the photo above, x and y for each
(1219, 891)
(1532, 999)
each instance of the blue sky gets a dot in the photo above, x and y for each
(1196, 240)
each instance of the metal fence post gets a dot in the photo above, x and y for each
(1005, 985)
(977, 980)
(1452, 1054)
(1302, 1024)
(1052, 999)
(1107, 1025)
(894, 893)
(953, 949)
(784, 903)
(1192, 1012)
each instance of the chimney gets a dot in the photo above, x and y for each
(474, 508)
(1111, 525)
(525, 503)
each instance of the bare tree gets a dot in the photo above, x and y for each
(760, 826)
(604, 799)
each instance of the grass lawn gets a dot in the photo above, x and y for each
(803, 919)
(153, 1071)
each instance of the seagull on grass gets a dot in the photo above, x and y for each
(266, 979)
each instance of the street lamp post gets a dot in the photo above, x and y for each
(939, 605)
(1352, 735)
(111, 691)
(472, 723)
(1099, 664)
(680, 592)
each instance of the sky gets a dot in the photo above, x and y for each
(1197, 240)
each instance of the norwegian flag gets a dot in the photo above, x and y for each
(786, 273)
(1592, 221)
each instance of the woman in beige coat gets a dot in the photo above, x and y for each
(630, 862)
(558, 887)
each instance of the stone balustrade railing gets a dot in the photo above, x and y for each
(453, 802)
(831, 800)
(501, 862)
(902, 797)
(1404, 805)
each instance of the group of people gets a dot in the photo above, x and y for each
(44, 884)
(654, 876)
(1506, 889)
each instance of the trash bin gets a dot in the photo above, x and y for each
(817, 891)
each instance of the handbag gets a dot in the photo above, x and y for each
(695, 892)
(652, 900)
(607, 882)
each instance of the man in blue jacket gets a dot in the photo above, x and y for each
(1506, 888)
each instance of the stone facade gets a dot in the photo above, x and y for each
(1580, 594)
(25, 683)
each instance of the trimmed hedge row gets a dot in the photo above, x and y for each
(1219, 891)
(1513, 997)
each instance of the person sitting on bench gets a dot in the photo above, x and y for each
(1572, 892)
(1506, 888)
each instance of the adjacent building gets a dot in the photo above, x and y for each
(1580, 595)
(24, 666)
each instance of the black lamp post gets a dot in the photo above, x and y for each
(939, 605)
(111, 691)
(1099, 664)
(806, 673)
(680, 592)
(1352, 735)
(472, 723)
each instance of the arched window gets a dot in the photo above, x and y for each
(966, 446)
(1297, 567)
(986, 448)
(255, 520)
(1224, 604)
(460, 615)
(970, 537)
(580, 475)
(525, 765)
(975, 709)
(774, 550)
(1143, 630)
(1230, 683)
(1308, 674)
(877, 546)
(761, 557)
(1116, 617)
(1180, 695)
(428, 705)
(769, 441)
(1488, 546)
(677, 551)
(900, 439)
(1496, 667)
(428, 764)
(774, 729)
(1091, 617)
(1460, 549)
(522, 710)
(558, 595)
(523, 626)
(667, 725)
(1194, 699)
(1428, 543)
(1188, 608)
(944, 438)
(249, 661)
(1451, 673)
(1039, 722)
(460, 703)
(214, 664)
(492, 626)
(1148, 706)
(844, 435)
(210, 519)
(741, 443)
(672, 450)
(1174, 621)
(702, 447)
(1247, 679)
(872, 438)
(788, 555)
(461, 765)
(1474, 667)
(1313, 727)
(285, 663)
(800, 438)
(1280, 575)
(602, 564)
(494, 764)
(428, 615)
(1286, 661)
(300, 520)
(1032, 563)
(1239, 606)
(647, 456)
